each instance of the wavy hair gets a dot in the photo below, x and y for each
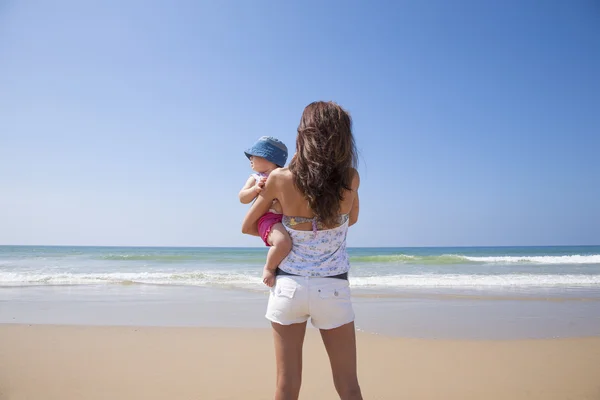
(324, 159)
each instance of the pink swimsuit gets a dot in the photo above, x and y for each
(266, 222)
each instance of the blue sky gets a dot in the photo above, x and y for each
(124, 122)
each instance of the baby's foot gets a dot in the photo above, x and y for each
(268, 277)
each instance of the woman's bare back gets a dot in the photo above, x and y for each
(294, 203)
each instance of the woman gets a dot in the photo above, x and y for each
(318, 194)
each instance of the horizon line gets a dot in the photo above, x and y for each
(259, 247)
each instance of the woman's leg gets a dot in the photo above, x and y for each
(288, 355)
(341, 347)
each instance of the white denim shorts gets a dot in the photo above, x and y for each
(326, 301)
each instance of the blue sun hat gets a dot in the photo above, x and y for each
(269, 148)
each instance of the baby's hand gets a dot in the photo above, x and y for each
(260, 185)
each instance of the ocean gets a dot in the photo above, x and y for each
(373, 269)
(426, 292)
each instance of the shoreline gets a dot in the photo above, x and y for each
(411, 314)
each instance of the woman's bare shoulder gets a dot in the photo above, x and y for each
(279, 178)
(283, 181)
(281, 174)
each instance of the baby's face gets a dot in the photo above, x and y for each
(260, 164)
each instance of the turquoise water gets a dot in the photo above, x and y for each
(373, 269)
(496, 292)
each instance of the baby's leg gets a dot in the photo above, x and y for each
(281, 244)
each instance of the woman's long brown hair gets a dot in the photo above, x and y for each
(324, 159)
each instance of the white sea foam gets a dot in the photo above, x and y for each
(155, 278)
(459, 280)
(445, 259)
(573, 259)
(205, 278)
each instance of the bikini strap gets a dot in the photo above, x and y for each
(293, 221)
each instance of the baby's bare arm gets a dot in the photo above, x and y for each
(251, 190)
(248, 192)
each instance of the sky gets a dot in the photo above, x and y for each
(125, 122)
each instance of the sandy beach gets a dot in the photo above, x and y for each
(101, 362)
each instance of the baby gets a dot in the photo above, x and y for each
(266, 155)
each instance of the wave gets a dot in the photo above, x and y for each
(573, 259)
(241, 280)
(156, 278)
(462, 259)
(151, 257)
(174, 258)
(410, 259)
(450, 280)
(400, 258)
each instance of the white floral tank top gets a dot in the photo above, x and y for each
(318, 252)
